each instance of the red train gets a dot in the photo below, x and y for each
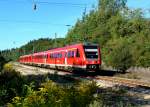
(83, 56)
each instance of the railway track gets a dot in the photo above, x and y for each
(124, 81)
(112, 80)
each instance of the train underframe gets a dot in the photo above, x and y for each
(70, 68)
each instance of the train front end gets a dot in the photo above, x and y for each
(92, 57)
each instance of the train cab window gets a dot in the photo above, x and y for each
(91, 52)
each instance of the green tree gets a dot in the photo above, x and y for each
(121, 57)
(2, 62)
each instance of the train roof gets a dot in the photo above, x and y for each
(25, 56)
(73, 45)
(67, 46)
(38, 53)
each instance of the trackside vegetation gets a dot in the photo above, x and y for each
(23, 91)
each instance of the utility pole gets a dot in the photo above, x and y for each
(33, 49)
(84, 13)
(85, 30)
(32, 52)
(24, 50)
(55, 40)
(34, 5)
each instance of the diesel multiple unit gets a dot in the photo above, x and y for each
(83, 56)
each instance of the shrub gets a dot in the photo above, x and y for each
(52, 95)
(8, 67)
(11, 84)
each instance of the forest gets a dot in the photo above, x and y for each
(122, 33)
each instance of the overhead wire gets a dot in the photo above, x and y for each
(31, 22)
(48, 3)
(40, 2)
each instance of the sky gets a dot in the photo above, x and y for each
(20, 23)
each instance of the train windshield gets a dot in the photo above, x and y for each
(91, 52)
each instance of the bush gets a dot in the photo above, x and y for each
(53, 95)
(8, 67)
(84, 94)
(11, 84)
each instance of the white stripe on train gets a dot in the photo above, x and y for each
(63, 65)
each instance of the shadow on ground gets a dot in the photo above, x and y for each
(108, 96)
(98, 73)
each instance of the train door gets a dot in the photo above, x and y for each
(70, 57)
(77, 61)
(45, 58)
(66, 57)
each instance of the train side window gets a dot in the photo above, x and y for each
(54, 55)
(77, 53)
(72, 54)
(59, 55)
(69, 54)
